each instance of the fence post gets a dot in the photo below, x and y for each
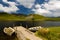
(26, 26)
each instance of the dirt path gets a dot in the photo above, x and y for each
(23, 33)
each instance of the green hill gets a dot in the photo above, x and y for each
(22, 17)
(10, 17)
(53, 19)
(36, 17)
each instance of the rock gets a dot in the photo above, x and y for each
(9, 31)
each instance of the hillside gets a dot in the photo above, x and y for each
(10, 17)
(22, 17)
(36, 17)
(53, 19)
(19, 17)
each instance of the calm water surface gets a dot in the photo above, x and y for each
(29, 24)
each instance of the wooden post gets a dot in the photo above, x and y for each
(20, 24)
(13, 25)
(26, 26)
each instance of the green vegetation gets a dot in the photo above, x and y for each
(53, 19)
(22, 17)
(53, 33)
(10, 17)
(35, 17)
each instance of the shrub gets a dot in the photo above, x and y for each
(47, 34)
(43, 31)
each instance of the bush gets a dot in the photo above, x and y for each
(45, 33)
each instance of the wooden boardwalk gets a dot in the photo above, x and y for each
(24, 34)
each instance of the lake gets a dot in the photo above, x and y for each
(29, 24)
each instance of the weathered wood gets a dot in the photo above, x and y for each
(9, 31)
(23, 33)
(19, 34)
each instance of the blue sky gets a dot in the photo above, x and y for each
(42, 7)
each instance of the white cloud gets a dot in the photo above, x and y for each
(12, 7)
(26, 3)
(52, 8)
(39, 10)
(8, 9)
(52, 5)
(4, 0)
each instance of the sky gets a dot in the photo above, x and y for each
(50, 8)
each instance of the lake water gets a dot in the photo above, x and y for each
(29, 24)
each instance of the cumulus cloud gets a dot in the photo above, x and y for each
(26, 3)
(52, 8)
(52, 5)
(8, 9)
(39, 10)
(12, 7)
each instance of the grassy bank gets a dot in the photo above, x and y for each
(52, 34)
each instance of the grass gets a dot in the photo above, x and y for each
(55, 29)
(52, 34)
(22, 17)
(53, 19)
(11, 17)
